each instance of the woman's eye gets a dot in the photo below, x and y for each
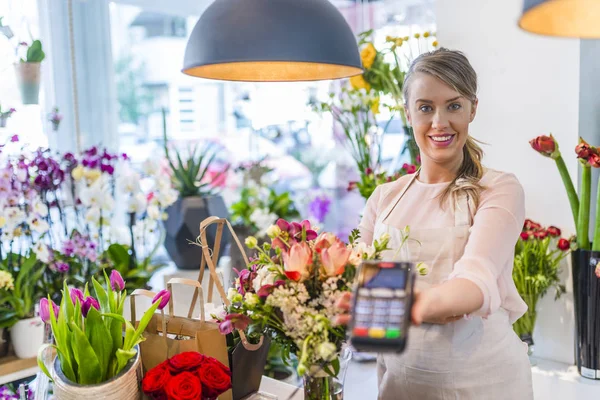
(425, 108)
(455, 106)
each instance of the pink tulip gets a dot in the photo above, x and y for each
(335, 258)
(164, 296)
(77, 294)
(45, 310)
(324, 241)
(297, 261)
(116, 280)
(88, 304)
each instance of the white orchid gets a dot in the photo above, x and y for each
(42, 252)
(37, 224)
(40, 208)
(262, 219)
(137, 204)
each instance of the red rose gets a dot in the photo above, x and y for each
(553, 231)
(563, 244)
(215, 377)
(187, 361)
(524, 236)
(184, 386)
(156, 380)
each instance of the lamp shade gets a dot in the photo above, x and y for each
(271, 41)
(568, 18)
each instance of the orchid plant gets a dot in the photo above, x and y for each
(588, 157)
(290, 289)
(81, 214)
(88, 331)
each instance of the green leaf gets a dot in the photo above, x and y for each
(119, 255)
(123, 356)
(40, 359)
(102, 296)
(97, 334)
(89, 371)
(143, 324)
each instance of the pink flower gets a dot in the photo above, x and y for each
(164, 296)
(88, 304)
(297, 261)
(324, 241)
(335, 258)
(77, 294)
(234, 321)
(545, 145)
(45, 310)
(14, 138)
(116, 280)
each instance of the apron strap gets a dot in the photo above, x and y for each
(390, 208)
(462, 216)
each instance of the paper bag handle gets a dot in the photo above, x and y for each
(211, 261)
(146, 293)
(189, 282)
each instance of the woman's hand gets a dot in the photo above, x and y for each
(425, 308)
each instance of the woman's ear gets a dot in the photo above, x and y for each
(474, 109)
(408, 118)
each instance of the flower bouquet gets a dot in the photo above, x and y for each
(54, 118)
(538, 254)
(369, 180)
(90, 344)
(189, 375)
(289, 291)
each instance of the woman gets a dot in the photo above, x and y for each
(464, 221)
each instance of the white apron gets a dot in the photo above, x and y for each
(470, 359)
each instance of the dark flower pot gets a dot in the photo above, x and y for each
(183, 226)
(247, 368)
(586, 294)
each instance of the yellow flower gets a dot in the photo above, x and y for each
(2, 221)
(405, 38)
(92, 174)
(375, 106)
(426, 34)
(367, 55)
(77, 172)
(417, 35)
(6, 280)
(358, 82)
(389, 39)
(399, 42)
(435, 43)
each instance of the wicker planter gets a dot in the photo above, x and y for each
(124, 386)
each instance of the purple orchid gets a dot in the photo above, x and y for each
(234, 321)
(294, 229)
(319, 207)
(246, 277)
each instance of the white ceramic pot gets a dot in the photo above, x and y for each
(27, 336)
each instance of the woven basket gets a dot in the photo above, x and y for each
(124, 386)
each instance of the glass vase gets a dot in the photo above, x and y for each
(319, 385)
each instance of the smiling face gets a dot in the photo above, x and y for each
(440, 117)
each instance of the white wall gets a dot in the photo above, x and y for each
(529, 85)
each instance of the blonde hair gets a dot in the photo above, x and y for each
(455, 70)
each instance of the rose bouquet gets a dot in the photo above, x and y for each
(88, 331)
(189, 375)
(289, 292)
(538, 254)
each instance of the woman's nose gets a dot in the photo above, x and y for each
(440, 121)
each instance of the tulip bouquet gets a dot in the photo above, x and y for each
(188, 375)
(538, 254)
(589, 157)
(290, 288)
(88, 331)
(369, 180)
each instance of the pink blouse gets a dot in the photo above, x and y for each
(488, 257)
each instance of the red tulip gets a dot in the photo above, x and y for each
(529, 225)
(352, 185)
(553, 231)
(563, 244)
(540, 234)
(545, 145)
(524, 236)
(584, 150)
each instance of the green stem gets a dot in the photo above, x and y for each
(583, 225)
(571, 192)
(596, 244)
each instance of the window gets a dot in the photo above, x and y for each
(20, 24)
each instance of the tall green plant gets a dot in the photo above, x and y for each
(18, 302)
(35, 54)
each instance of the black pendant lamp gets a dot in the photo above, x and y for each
(567, 18)
(272, 41)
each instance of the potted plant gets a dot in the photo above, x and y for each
(538, 254)
(198, 200)
(54, 118)
(585, 259)
(5, 115)
(97, 349)
(17, 304)
(28, 71)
